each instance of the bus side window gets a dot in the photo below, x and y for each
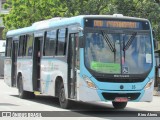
(21, 46)
(24, 45)
(29, 45)
(62, 42)
(50, 43)
(8, 47)
(77, 52)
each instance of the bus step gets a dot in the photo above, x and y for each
(37, 93)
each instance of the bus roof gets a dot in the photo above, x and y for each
(55, 22)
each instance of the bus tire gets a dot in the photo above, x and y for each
(30, 95)
(22, 93)
(119, 105)
(64, 103)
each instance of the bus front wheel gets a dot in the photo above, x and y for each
(22, 93)
(119, 105)
(64, 103)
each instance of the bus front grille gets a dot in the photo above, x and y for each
(112, 96)
(119, 80)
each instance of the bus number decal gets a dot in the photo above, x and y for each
(133, 86)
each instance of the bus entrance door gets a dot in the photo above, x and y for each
(14, 63)
(72, 64)
(36, 63)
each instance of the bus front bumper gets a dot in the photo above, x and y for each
(89, 94)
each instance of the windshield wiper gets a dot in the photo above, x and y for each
(109, 42)
(129, 42)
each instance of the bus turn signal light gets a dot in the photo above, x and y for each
(149, 84)
(90, 84)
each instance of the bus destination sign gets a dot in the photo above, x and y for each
(116, 24)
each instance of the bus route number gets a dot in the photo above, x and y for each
(133, 86)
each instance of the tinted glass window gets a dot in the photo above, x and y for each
(29, 42)
(8, 47)
(21, 46)
(50, 43)
(61, 42)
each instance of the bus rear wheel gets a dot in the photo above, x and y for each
(119, 105)
(64, 103)
(22, 93)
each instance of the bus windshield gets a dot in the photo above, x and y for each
(118, 52)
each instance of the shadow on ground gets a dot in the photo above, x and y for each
(83, 109)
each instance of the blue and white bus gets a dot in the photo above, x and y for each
(83, 58)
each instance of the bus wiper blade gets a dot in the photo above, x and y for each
(109, 42)
(129, 42)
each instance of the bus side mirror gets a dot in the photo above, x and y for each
(155, 44)
(153, 33)
(81, 42)
(154, 40)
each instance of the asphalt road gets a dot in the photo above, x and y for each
(9, 101)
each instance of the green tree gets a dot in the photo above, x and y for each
(83, 7)
(25, 12)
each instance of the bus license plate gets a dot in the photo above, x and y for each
(121, 99)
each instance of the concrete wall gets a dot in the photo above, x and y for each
(1, 64)
(2, 50)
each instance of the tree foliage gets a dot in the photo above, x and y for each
(25, 12)
(148, 9)
(84, 7)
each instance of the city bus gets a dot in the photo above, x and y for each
(89, 58)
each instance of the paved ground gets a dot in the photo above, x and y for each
(9, 101)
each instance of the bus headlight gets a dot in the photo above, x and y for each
(90, 84)
(149, 84)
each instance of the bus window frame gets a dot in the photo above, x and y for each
(6, 50)
(19, 46)
(44, 43)
(65, 42)
(28, 35)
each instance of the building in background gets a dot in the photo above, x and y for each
(2, 54)
(2, 11)
(2, 41)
